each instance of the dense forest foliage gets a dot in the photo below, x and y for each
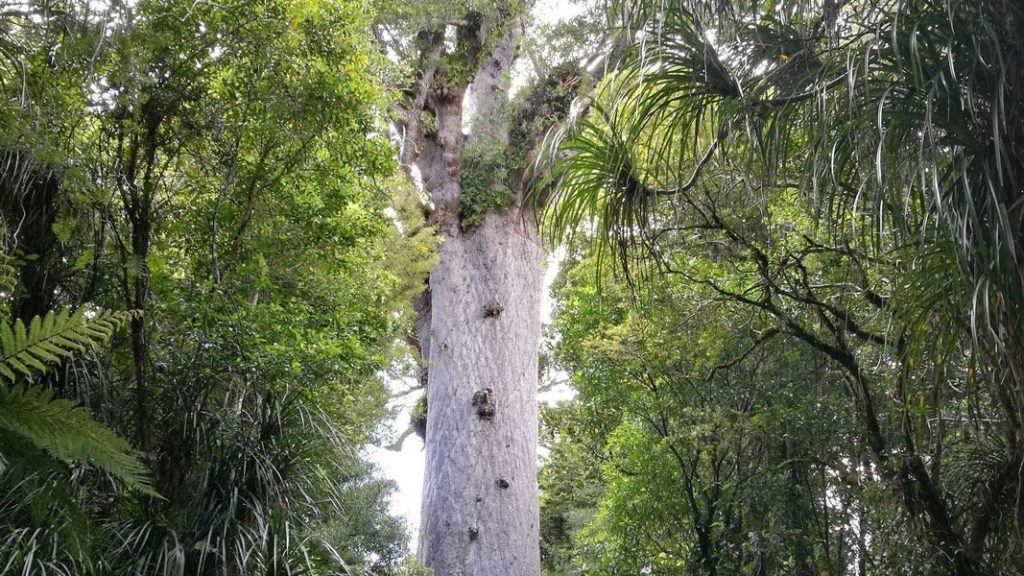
(217, 177)
(789, 312)
(796, 329)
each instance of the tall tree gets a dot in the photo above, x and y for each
(701, 441)
(213, 166)
(478, 323)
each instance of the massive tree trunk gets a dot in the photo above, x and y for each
(480, 505)
(479, 325)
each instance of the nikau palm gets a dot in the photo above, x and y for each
(900, 126)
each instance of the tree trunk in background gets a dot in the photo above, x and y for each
(479, 326)
(29, 195)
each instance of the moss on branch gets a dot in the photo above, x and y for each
(491, 170)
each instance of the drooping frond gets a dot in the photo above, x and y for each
(52, 424)
(890, 133)
(711, 91)
(68, 432)
(899, 121)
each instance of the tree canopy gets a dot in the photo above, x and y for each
(789, 312)
(840, 176)
(217, 174)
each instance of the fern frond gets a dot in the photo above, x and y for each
(68, 432)
(56, 425)
(57, 336)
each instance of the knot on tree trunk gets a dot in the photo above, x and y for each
(483, 401)
(493, 309)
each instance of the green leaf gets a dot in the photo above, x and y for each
(69, 433)
(53, 338)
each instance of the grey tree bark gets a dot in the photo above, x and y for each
(479, 321)
(480, 504)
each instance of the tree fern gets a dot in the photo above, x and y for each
(68, 432)
(56, 425)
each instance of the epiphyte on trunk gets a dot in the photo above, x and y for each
(483, 401)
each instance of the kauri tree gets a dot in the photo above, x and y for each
(470, 145)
